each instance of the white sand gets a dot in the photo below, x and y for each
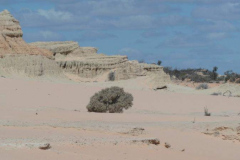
(63, 121)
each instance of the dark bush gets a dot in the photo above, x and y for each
(199, 79)
(221, 78)
(111, 76)
(214, 73)
(202, 86)
(159, 62)
(216, 93)
(112, 100)
(206, 113)
(231, 76)
(196, 75)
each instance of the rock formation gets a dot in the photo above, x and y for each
(86, 63)
(11, 41)
(29, 65)
(66, 48)
(19, 58)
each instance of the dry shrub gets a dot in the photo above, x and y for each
(206, 113)
(202, 86)
(111, 76)
(216, 93)
(112, 100)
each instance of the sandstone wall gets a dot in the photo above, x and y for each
(133, 69)
(90, 67)
(86, 63)
(29, 65)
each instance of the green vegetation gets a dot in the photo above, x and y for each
(214, 73)
(232, 76)
(202, 75)
(196, 75)
(159, 62)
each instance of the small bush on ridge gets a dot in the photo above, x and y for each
(112, 100)
(202, 86)
(111, 76)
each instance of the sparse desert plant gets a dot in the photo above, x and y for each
(111, 76)
(141, 61)
(194, 120)
(112, 100)
(220, 78)
(159, 62)
(202, 86)
(237, 96)
(232, 76)
(195, 75)
(214, 73)
(198, 78)
(216, 93)
(227, 93)
(206, 113)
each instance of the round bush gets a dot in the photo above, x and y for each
(112, 100)
(202, 86)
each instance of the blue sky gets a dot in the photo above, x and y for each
(181, 33)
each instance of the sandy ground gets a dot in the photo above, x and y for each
(34, 113)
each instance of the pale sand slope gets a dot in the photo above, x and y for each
(63, 121)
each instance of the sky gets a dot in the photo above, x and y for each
(180, 33)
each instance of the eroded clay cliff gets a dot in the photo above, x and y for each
(85, 62)
(55, 58)
(19, 58)
(11, 41)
